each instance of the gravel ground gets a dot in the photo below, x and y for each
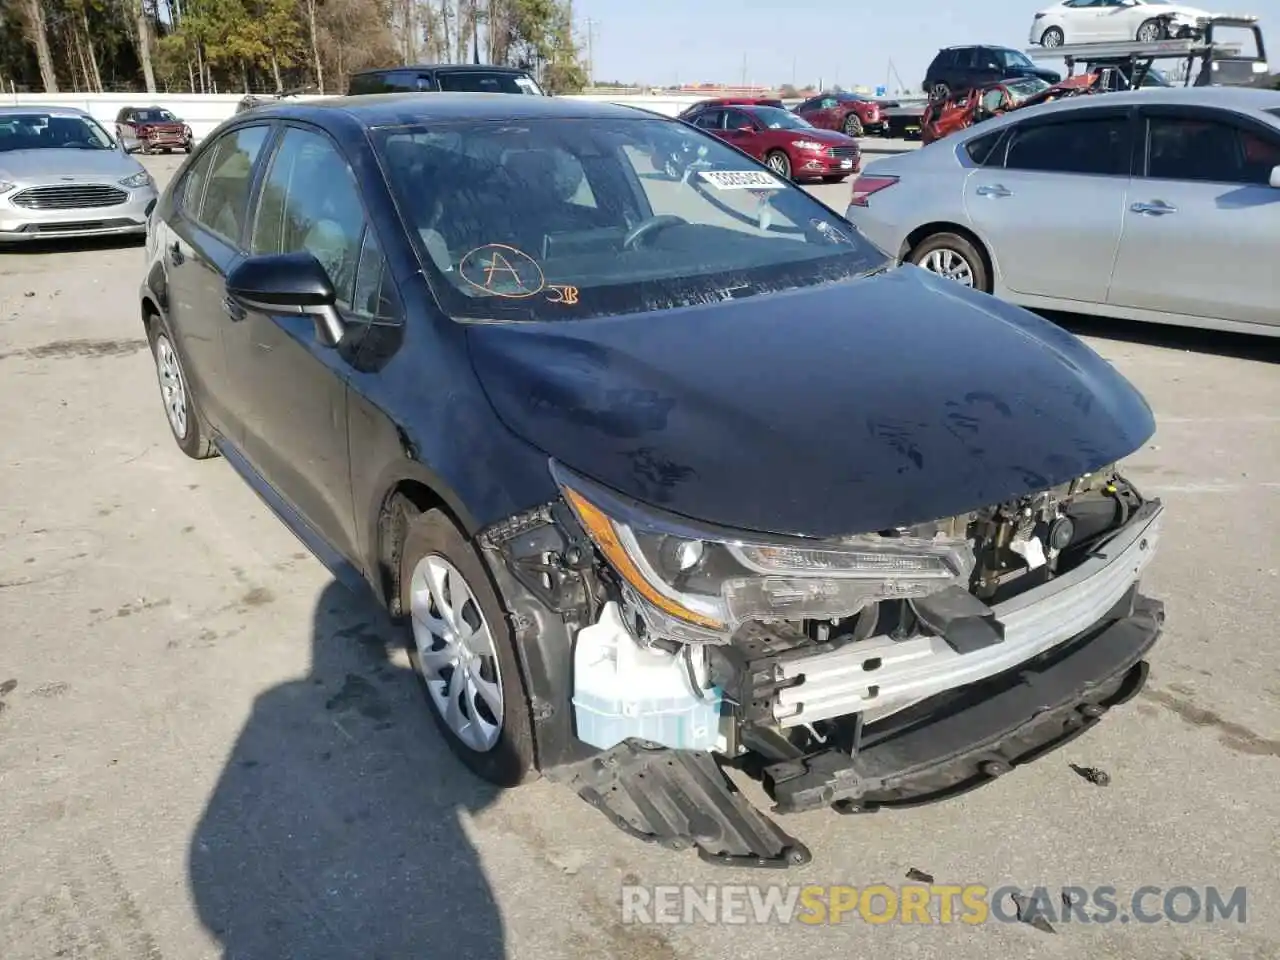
(208, 750)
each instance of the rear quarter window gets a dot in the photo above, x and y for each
(983, 150)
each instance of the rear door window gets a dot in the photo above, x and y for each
(226, 193)
(709, 120)
(985, 151)
(1090, 145)
(486, 81)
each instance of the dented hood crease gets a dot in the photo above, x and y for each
(847, 408)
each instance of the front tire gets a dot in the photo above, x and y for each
(190, 432)
(1053, 37)
(1152, 31)
(779, 163)
(462, 650)
(939, 92)
(952, 256)
(853, 125)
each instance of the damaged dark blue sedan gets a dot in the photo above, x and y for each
(662, 467)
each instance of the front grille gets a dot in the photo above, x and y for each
(844, 153)
(69, 196)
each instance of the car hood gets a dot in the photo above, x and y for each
(53, 163)
(1176, 10)
(828, 137)
(853, 407)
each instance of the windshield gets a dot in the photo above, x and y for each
(778, 119)
(564, 219)
(44, 131)
(480, 81)
(1019, 90)
(155, 116)
(1013, 58)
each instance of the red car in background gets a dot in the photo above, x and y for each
(960, 110)
(788, 144)
(850, 113)
(731, 102)
(152, 128)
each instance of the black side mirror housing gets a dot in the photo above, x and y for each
(289, 283)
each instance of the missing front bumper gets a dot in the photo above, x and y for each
(962, 739)
(945, 746)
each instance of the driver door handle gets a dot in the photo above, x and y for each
(233, 309)
(1157, 208)
(994, 190)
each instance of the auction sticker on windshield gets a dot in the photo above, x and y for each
(741, 179)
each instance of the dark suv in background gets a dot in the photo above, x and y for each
(448, 77)
(962, 68)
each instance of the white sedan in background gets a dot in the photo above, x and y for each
(1098, 21)
(1159, 205)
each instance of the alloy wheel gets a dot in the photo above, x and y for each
(950, 264)
(455, 653)
(779, 164)
(1149, 32)
(1052, 38)
(173, 388)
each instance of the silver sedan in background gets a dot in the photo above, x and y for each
(63, 175)
(1160, 205)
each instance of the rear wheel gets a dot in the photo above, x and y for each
(779, 163)
(939, 91)
(1151, 31)
(463, 651)
(952, 256)
(853, 125)
(190, 432)
(1052, 37)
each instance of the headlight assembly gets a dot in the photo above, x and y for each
(693, 581)
(6, 186)
(807, 145)
(140, 179)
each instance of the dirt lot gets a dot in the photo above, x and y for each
(207, 749)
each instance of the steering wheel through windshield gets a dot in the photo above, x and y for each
(650, 226)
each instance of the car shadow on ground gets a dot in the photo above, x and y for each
(1241, 346)
(334, 829)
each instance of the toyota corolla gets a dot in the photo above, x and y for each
(657, 475)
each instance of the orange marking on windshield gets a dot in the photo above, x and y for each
(505, 272)
(562, 293)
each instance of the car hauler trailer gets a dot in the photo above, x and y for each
(1210, 60)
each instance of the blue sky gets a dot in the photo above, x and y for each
(836, 41)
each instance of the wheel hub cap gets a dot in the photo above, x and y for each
(456, 654)
(169, 372)
(949, 264)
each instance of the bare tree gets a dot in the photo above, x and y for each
(38, 34)
(315, 43)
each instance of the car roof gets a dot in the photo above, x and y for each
(1239, 99)
(394, 109)
(53, 111)
(441, 68)
(1243, 99)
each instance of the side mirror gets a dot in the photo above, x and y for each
(1275, 177)
(289, 283)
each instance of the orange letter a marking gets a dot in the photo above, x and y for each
(500, 264)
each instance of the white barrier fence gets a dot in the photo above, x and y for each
(203, 112)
